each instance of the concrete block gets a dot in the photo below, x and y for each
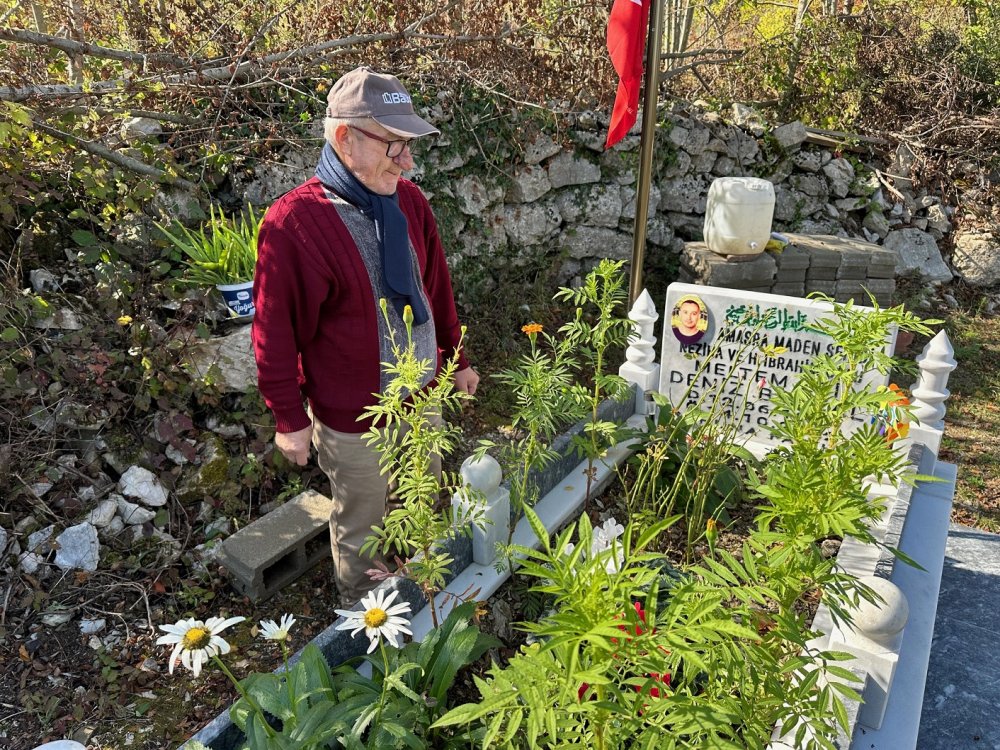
(278, 548)
(881, 271)
(789, 288)
(882, 289)
(853, 265)
(737, 272)
(826, 286)
(848, 289)
(789, 275)
(792, 256)
(821, 273)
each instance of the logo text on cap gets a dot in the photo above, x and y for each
(394, 97)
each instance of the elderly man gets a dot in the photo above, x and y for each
(329, 250)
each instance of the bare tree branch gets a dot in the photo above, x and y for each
(123, 161)
(230, 72)
(73, 47)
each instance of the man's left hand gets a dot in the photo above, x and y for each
(467, 380)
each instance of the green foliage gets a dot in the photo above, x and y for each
(221, 251)
(393, 708)
(623, 664)
(409, 434)
(599, 325)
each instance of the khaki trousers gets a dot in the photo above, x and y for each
(361, 496)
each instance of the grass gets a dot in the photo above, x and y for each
(972, 422)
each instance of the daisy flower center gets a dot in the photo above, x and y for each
(196, 638)
(375, 617)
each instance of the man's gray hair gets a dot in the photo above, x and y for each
(330, 125)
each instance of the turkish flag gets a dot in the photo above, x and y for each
(627, 26)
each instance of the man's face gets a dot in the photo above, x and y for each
(366, 159)
(689, 315)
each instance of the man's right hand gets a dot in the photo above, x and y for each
(295, 445)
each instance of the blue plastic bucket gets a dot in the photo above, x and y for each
(239, 298)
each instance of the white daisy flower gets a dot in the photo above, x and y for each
(377, 619)
(195, 642)
(272, 631)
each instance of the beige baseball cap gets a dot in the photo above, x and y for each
(365, 93)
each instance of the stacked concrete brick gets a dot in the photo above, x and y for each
(277, 548)
(840, 268)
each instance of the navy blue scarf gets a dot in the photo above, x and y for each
(390, 229)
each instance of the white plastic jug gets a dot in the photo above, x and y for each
(738, 215)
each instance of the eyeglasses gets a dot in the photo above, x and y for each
(392, 148)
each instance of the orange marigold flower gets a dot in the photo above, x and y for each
(532, 328)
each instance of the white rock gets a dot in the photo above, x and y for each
(222, 429)
(40, 488)
(63, 319)
(540, 149)
(54, 619)
(39, 541)
(132, 514)
(977, 257)
(219, 527)
(43, 281)
(92, 627)
(917, 251)
(142, 484)
(113, 529)
(175, 455)
(78, 548)
(231, 354)
(790, 135)
(569, 169)
(141, 129)
(102, 515)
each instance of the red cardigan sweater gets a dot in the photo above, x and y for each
(315, 330)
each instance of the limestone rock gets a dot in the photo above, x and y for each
(63, 319)
(143, 485)
(917, 252)
(529, 184)
(569, 169)
(840, 173)
(628, 201)
(791, 135)
(530, 223)
(132, 514)
(595, 205)
(227, 360)
(141, 129)
(271, 180)
(937, 218)
(540, 149)
(807, 161)
(43, 281)
(36, 550)
(211, 477)
(876, 223)
(78, 548)
(976, 257)
(222, 429)
(474, 196)
(116, 526)
(595, 242)
(684, 195)
(101, 515)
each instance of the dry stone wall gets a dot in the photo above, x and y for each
(564, 202)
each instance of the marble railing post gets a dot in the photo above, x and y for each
(640, 367)
(488, 507)
(931, 391)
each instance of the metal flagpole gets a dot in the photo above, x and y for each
(647, 138)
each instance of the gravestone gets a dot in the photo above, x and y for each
(736, 345)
